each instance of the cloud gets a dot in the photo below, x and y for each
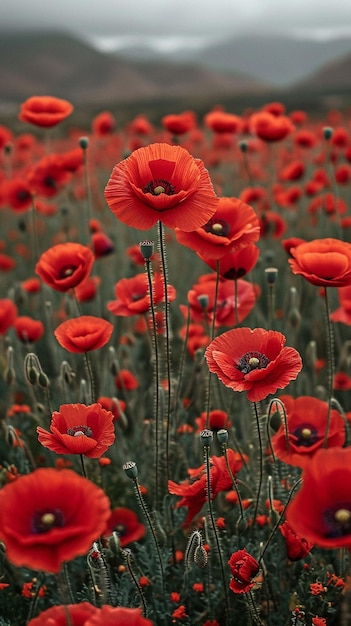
(182, 19)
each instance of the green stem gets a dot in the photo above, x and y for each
(214, 529)
(330, 353)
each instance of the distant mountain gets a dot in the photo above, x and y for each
(62, 65)
(278, 61)
(335, 77)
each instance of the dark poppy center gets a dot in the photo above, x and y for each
(67, 270)
(234, 273)
(159, 186)
(252, 360)
(217, 227)
(80, 430)
(121, 529)
(338, 521)
(43, 521)
(23, 195)
(306, 436)
(49, 181)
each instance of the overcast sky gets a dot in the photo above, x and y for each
(178, 22)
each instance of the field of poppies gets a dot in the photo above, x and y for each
(175, 360)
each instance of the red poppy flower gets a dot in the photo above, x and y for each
(8, 314)
(45, 111)
(31, 285)
(323, 262)
(112, 404)
(233, 225)
(79, 429)
(126, 380)
(103, 124)
(272, 224)
(102, 245)
(292, 242)
(179, 124)
(161, 182)
(306, 424)
(72, 160)
(133, 296)
(201, 299)
(27, 329)
(235, 264)
(217, 419)
(87, 289)
(222, 122)
(17, 194)
(255, 361)
(83, 334)
(321, 510)
(293, 171)
(125, 523)
(50, 516)
(244, 568)
(78, 614)
(110, 616)
(305, 138)
(194, 491)
(269, 127)
(48, 177)
(65, 265)
(296, 547)
(7, 263)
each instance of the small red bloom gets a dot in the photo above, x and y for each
(323, 262)
(125, 523)
(161, 182)
(45, 111)
(8, 314)
(111, 616)
(217, 420)
(103, 124)
(222, 122)
(296, 547)
(102, 245)
(79, 429)
(244, 568)
(7, 263)
(27, 329)
(48, 177)
(306, 424)
(50, 516)
(126, 380)
(269, 127)
(235, 264)
(180, 612)
(78, 614)
(65, 265)
(87, 289)
(233, 225)
(179, 124)
(255, 361)
(17, 194)
(83, 334)
(112, 404)
(319, 621)
(194, 493)
(133, 297)
(321, 510)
